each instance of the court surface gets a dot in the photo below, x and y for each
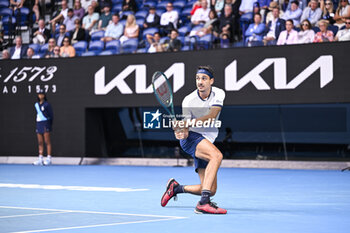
(127, 199)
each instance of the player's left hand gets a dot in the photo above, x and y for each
(180, 133)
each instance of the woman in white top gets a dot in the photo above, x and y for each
(306, 34)
(342, 13)
(131, 29)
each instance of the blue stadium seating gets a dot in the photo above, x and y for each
(333, 28)
(96, 46)
(116, 8)
(106, 52)
(80, 47)
(141, 14)
(184, 30)
(129, 46)
(205, 42)
(179, 3)
(22, 14)
(8, 24)
(4, 4)
(113, 46)
(97, 35)
(6, 12)
(35, 47)
(149, 31)
(89, 53)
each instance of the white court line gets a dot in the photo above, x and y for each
(73, 188)
(26, 215)
(163, 218)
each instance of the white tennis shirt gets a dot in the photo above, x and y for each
(193, 106)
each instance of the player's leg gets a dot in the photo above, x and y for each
(197, 189)
(40, 149)
(205, 150)
(47, 139)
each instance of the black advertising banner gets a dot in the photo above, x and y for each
(299, 74)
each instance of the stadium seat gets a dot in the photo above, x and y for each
(4, 4)
(125, 14)
(122, 22)
(35, 47)
(22, 16)
(163, 39)
(106, 52)
(141, 14)
(115, 2)
(96, 46)
(205, 42)
(333, 28)
(140, 22)
(97, 35)
(116, 8)
(184, 30)
(6, 12)
(8, 24)
(160, 11)
(162, 5)
(245, 20)
(80, 47)
(44, 48)
(113, 46)
(179, 3)
(129, 46)
(316, 29)
(149, 3)
(149, 31)
(88, 54)
(186, 48)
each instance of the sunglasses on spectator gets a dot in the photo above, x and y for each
(66, 41)
(343, 0)
(347, 22)
(56, 50)
(305, 24)
(328, 3)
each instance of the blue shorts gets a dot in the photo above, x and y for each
(43, 126)
(189, 145)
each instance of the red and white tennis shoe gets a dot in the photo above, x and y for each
(209, 208)
(169, 192)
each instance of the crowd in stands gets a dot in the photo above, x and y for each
(105, 27)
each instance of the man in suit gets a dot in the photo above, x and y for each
(42, 34)
(19, 51)
(274, 28)
(152, 19)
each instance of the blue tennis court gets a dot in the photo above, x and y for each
(127, 199)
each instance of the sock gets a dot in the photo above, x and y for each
(205, 197)
(48, 156)
(179, 189)
(40, 157)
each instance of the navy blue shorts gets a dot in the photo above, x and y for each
(189, 145)
(43, 126)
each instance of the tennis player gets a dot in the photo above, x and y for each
(203, 104)
(44, 118)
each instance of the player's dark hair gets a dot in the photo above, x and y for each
(207, 68)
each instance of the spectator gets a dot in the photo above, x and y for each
(328, 11)
(70, 20)
(105, 18)
(36, 11)
(62, 33)
(50, 48)
(173, 44)
(41, 35)
(342, 12)
(104, 3)
(154, 42)
(44, 119)
(344, 35)
(61, 16)
(78, 34)
(96, 7)
(246, 7)
(312, 13)
(274, 28)
(129, 5)
(294, 13)
(256, 30)
(288, 36)
(131, 29)
(31, 54)
(306, 34)
(323, 35)
(5, 54)
(219, 6)
(201, 16)
(152, 20)
(85, 4)
(56, 52)
(67, 50)
(263, 4)
(211, 26)
(168, 19)
(196, 6)
(16, 4)
(302, 4)
(114, 30)
(19, 51)
(79, 11)
(269, 15)
(227, 23)
(90, 21)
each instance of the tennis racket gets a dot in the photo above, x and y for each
(163, 92)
